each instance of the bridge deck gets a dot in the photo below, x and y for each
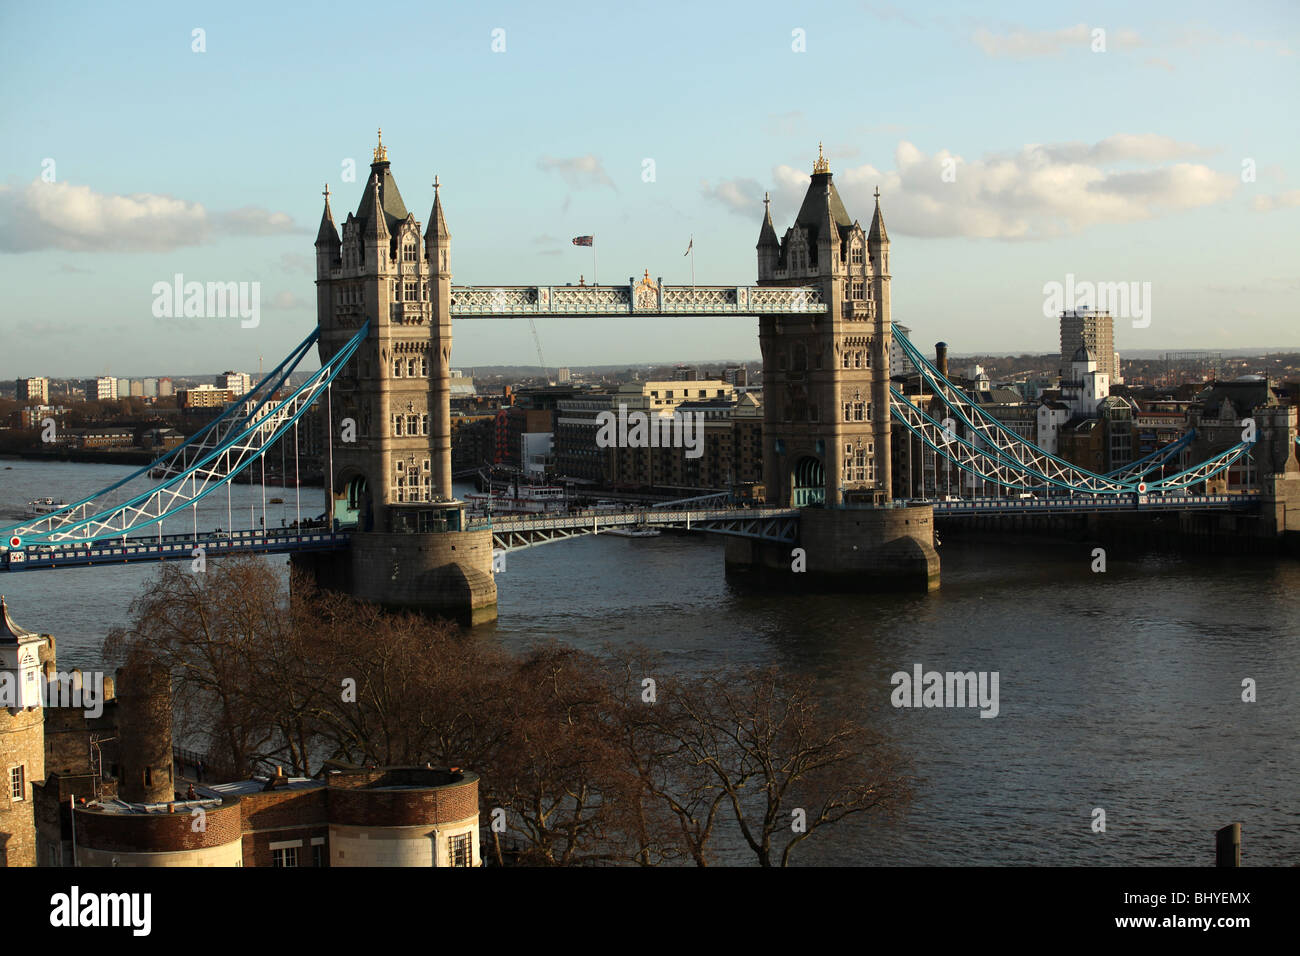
(636, 298)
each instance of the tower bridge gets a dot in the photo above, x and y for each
(392, 531)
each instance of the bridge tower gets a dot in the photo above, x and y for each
(826, 376)
(390, 409)
(826, 408)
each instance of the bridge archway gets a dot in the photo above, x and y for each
(808, 482)
(353, 508)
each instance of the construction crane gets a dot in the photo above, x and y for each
(536, 338)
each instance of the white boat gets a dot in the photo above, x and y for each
(633, 532)
(44, 506)
(526, 499)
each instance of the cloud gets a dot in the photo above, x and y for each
(1286, 200)
(738, 195)
(74, 270)
(75, 218)
(1036, 192)
(255, 221)
(65, 216)
(1020, 44)
(1159, 62)
(580, 172)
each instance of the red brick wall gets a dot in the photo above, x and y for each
(157, 832)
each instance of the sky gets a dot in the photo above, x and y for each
(1153, 144)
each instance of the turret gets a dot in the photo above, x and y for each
(878, 251)
(769, 247)
(327, 240)
(437, 249)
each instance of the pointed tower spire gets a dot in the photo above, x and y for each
(437, 228)
(878, 233)
(376, 225)
(328, 234)
(767, 233)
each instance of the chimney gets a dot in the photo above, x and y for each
(941, 358)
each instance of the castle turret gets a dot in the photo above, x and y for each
(437, 246)
(144, 696)
(22, 739)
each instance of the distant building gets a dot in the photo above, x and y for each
(137, 388)
(736, 375)
(33, 390)
(101, 389)
(151, 388)
(165, 389)
(899, 363)
(205, 396)
(562, 376)
(237, 383)
(123, 388)
(1094, 330)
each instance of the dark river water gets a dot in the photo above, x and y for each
(1120, 691)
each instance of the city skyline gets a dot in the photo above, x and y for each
(1125, 186)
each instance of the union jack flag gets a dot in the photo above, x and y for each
(584, 240)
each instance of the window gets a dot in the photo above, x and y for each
(17, 784)
(460, 850)
(412, 292)
(397, 430)
(408, 252)
(859, 411)
(848, 411)
(397, 368)
(285, 856)
(426, 463)
(857, 291)
(424, 430)
(412, 423)
(857, 360)
(424, 367)
(848, 358)
(317, 853)
(857, 255)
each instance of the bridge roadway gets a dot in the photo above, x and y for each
(172, 547)
(516, 532)
(1090, 503)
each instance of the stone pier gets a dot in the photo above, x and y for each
(846, 550)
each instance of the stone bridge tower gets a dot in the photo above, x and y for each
(390, 434)
(826, 375)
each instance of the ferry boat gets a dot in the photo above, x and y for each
(634, 532)
(523, 499)
(44, 506)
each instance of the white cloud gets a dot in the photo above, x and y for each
(1020, 44)
(1036, 192)
(67, 216)
(738, 195)
(1286, 200)
(580, 172)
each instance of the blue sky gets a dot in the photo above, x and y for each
(1122, 164)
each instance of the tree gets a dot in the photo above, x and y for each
(758, 743)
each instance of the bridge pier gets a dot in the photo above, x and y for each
(846, 550)
(444, 574)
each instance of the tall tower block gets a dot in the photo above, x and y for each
(826, 376)
(390, 409)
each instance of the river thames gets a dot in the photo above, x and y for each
(1120, 691)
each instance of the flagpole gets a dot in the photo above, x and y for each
(692, 263)
(595, 269)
